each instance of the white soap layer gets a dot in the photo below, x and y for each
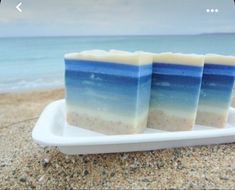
(219, 59)
(118, 51)
(179, 58)
(114, 56)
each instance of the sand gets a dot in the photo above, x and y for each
(25, 165)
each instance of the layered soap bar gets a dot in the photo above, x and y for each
(108, 92)
(176, 82)
(216, 90)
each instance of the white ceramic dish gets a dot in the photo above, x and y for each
(52, 130)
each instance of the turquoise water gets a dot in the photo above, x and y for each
(27, 63)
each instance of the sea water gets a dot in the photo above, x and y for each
(38, 62)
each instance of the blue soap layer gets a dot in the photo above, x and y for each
(103, 78)
(122, 94)
(217, 85)
(177, 69)
(175, 81)
(175, 91)
(215, 69)
(130, 70)
(215, 98)
(175, 86)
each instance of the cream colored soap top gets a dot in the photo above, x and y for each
(147, 53)
(114, 56)
(118, 51)
(179, 58)
(219, 59)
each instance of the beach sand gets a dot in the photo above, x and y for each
(25, 165)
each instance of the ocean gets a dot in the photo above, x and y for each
(37, 62)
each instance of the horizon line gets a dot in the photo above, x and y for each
(120, 35)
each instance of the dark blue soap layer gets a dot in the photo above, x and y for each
(215, 69)
(130, 70)
(217, 85)
(175, 86)
(177, 69)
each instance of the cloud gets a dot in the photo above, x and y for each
(115, 17)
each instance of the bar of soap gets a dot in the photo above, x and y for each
(216, 90)
(176, 82)
(108, 92)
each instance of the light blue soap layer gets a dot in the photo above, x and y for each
(98, 85)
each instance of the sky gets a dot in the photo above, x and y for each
(115, 17)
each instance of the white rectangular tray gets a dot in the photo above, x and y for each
(51, 130)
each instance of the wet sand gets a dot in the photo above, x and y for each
(25, 165)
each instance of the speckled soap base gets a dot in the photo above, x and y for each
(176, 81)
(158, 119)
(216, 90)
(212, 119)
(107, 127)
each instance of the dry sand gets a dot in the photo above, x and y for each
(25, 165)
